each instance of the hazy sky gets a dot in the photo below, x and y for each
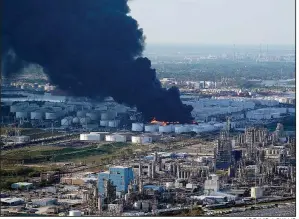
(216, 21)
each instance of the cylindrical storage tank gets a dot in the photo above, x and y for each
(56, 108)
(22, 115)
(120, 138)
(51, 115)
(136, 139)
(104, 123)
(275, 115)
(179, 129)
(219, 126)
(141, 139)
(105, 116)
(67, 121)
(81, 113)
(93, 116)
(16, 108)
(37, 115)
(120, 109)
(198, 129)
(76, 120)
(116, 138)
(75, 213)
(151, 128)
(110, 138)
(102, 108)
(113, 123)
(165, 129)
(85, 120)
(137, 127)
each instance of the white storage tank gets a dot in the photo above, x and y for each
(17, 108)
(141, 139)
(116, 138)
(91, 137)
(93, 115)
(113, 123)
(39, 115)
(81, 113)
(180, 129)
(219, 126)
(137, 127)
(256, 192)
(105, 116)
(51, 115)
(108, 115)
(67, 121)
(292, 110)
(165, 129)
(198, 129)
(101, 108)
(120, 109)
(22, 115)
(57, 108)
(151, 128)
(85, 120)
(76, 120)
(104, 123)
(75, 213)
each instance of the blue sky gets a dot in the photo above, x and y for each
(216, 21)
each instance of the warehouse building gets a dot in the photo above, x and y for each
(12, 201)
(22, 185)
(44, 202)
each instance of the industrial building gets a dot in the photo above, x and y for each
(119, 176)
(22, 185)
(223, 151)
(44, 202)
(12, 201)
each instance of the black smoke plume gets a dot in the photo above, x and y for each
(89, 48)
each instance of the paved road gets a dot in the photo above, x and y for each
(283, 211)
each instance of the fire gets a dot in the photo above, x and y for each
(163, 123)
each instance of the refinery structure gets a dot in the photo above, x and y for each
(90, 128)
(225, 158)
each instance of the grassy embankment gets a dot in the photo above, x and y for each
(45, 157)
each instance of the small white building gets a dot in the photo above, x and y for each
(21, 139)
(256, 192)
(212, 184)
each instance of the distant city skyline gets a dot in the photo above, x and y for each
(216, 22)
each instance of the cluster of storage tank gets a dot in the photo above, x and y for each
(85, 117)
(177, 128)
(25, 110)
(116, 137)
(203, 108)
(266, 113)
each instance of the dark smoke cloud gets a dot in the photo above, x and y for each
(89, 48)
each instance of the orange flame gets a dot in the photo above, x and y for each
(163, 123)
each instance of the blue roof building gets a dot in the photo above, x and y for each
(119, 176)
